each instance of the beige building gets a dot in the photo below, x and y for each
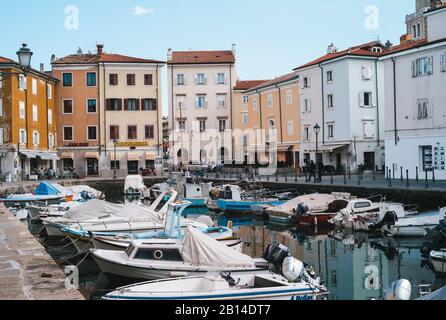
(201, 105)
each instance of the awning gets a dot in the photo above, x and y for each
(29, 155)
(150, 156)
(328, 148)
(67, 155)
(132, 156)
(92, 155)
(113, 158)
(48, 156)
(285, 147)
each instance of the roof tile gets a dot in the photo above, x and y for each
(201, 57)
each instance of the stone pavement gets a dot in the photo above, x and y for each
(27, 272)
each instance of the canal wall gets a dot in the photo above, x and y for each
(27, 272)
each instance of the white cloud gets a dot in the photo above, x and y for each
(138, 10)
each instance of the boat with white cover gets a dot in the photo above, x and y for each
(438, 259)
(134, 186)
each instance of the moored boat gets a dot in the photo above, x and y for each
(438, 259)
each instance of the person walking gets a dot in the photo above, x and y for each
(320, 169)
(311, 171)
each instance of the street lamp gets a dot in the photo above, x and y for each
(114, 163)
(317, 129)
(24, 54)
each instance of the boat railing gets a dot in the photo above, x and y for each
(380, 198)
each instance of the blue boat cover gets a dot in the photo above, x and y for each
(46, 189)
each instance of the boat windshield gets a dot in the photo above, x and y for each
(129, 250)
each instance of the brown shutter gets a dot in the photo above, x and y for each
(137, 104)
(119, 104)
(126, 104)
(142, 104)
(107, 104)
(155, 106)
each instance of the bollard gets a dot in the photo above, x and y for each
(390, 180)
(407, 178)
(277, 177)
(286, 177)
(433, 174)
(345, 178)
(331, 177)
(267, 178)
(393, 172)
(426, 182)
(349, 174)
(374, 173)
(417, 174)
(401, 169)
(359, 179)
(387, 173)
(295, 177)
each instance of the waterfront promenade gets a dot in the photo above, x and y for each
(27, 272)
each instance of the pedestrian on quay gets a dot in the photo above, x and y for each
(320, 169)
(311, 170)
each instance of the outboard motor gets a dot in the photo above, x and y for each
(275, 254)
(390, 218)
(301, 209)
(293, 270)
(85, 195)
(399, 290)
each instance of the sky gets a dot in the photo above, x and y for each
(272, 37)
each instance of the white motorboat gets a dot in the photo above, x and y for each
(38, 211)
(249, 286)
(134, 186)
(194, 254)
(438, 259)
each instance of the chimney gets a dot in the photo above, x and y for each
(405, 38)
(169, 54)
(53, 58)
(100, 49)
(42, 68)
(388, 45)
(332, 48)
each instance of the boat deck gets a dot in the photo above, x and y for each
(27, 272)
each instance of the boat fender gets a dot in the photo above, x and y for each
(292, 268)
(399, 290)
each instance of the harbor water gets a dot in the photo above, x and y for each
(353, 266)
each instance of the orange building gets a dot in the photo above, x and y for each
(28, 135)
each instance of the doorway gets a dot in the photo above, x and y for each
(92, 167)
(132, 167)
(339, 162)
(369, 160)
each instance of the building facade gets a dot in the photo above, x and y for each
(110, 113)
(28, 132)
(201, 105)
(415, 77)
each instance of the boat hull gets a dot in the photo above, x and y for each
(243, 206)
(315, 219)
(438, 260)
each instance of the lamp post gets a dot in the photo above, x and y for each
(24, 54)
(114, 163)
(317, 129)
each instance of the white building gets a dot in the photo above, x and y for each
(340, 93)
(200, 100)
(415, 99)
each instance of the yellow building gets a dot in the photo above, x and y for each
(274, 104)
(27, 121)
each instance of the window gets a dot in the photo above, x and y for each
(289, 96)
(1, 108)
(221, 125)
(330, 101)
(306, 105)
(245, 99)
(50, 116)
(22, 109)
(131, 104)
(221, 100)
(271, 123)
(113, 79)
(68, 133)
(148, 104)
(426, 157)
(148, 79)
(329, 76)
(115, 165)
(22, 82)
(422, 105)
(201, 101)
(306, 82)
(114, 132)
(92, 133)
(270, 101)
(254, 104)
(418, 30)
(132, 133)
(67, 107)
(422, 67)
(202, 125)
(414, 31)
(377, 50)
(245, 118)
(180, 80)
(113, 104)
(49, 91)
(220, 78)
(443, 62)
(51, 140)
(245, 140)
(181, 124)
(91, 106)
(366, 73)
(67, 79)
(34, 86)
(330, 129)
(35, 113)
(307, 133)
(22, 136)
(149, 132)
(181, 101)
(131, 79)
(91, 79)
(36, 138)
(366, 99)
(290, 128)
(369, 129)
(200, 79)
